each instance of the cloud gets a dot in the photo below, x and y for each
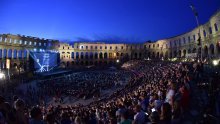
(109, 39)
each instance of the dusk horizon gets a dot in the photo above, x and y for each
(107, 21)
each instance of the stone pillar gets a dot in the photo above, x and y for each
(12, 53)
(28, 55)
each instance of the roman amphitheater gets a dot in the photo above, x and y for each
(16, 48)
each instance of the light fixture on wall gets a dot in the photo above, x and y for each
(215, 62)
(2, 75)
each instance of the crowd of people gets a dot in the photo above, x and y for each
(79, 85)
(156, 93)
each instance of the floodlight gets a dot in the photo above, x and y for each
(215, 62)
(2, 75)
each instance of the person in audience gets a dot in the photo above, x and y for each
(50, 118)
(125, 118)
(166, 114)
(140, 116)
(22, 117)
(36, 116)
(155, 118)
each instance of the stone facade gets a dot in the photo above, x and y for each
(186, 45)
(17, 47)
(83, 53)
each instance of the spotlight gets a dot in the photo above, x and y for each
(2, 75)
(117, 61)
(215, 62)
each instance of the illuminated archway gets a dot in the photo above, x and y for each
(105, 55)
(212, 49)
(100, 55)
(205, 54)
(184, 53)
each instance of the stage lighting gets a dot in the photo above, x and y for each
(2, 75)
(215, 62)
(117, 61)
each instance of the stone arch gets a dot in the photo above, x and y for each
(140, 55)
(117, 54)
(87, 55)
(153, 55)
(15, 54)
(91, 62)
(77, 62)
(0, 53)
(175, 54)
(171, 54)
(81, 63)
(5, 53)
(126, 56)
(194, 50)
(62, 64)
(122, 54)
(100, 62)
(110, 55)
(158, 55)
(91, 55)
(105, 62)
(189, 51)
(179, 53)
(96, 63)
(206, 51)
(199, 50)
(132, 55)
(166, 54)
(72, 63)
(212, 49)
(87, 63)
(105, 55)
(135, 55)
(149, 54)
(9, 53)
(15, 65)
(96, 55)
(25, 54)
(67, 64)
(161, 54)
(72, 55)
(82, 55)
(77, 55)
(100, 55)
(110, 63)
(218, 47)
(184, 53)
(20, 54)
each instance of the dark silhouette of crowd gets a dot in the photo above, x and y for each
(156, 93)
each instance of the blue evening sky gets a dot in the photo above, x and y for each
(103, 20)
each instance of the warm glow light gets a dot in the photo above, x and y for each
(114, 54)
(2, 75)
(215, 62)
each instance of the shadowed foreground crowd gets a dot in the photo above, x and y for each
(157, 93)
